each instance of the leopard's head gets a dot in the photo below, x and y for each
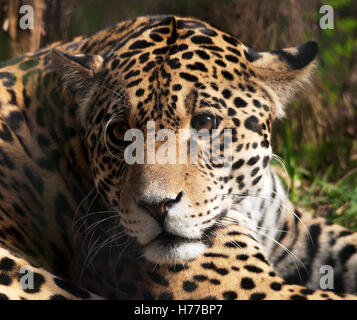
(170, 79)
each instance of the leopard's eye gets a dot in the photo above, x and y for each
(116, 132)
(203, 121)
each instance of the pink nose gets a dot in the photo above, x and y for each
(158, 210)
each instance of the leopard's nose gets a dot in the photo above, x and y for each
(159, 209)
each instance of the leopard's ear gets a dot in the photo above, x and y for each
(284, 71)
(79, 75)
(76, 71)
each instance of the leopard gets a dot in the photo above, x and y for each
(73, 208)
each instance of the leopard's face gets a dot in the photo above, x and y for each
(180, 76)
(172, 209)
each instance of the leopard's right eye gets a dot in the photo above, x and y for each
(203, 121)
(116, 132)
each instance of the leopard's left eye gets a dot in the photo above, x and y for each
(203, 121)
(116, 132)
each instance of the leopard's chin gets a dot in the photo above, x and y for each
(169, 249)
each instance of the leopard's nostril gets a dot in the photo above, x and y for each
(159, 209)
(179, 196)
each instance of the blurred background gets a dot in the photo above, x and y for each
(317, 140)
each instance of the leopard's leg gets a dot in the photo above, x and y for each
(233, 267)
(21, 280)
(301, 247)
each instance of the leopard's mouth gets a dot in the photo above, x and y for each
(168, 248)
(170, 239)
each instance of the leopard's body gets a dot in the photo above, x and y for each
(300, 246)
(234, 267)
(69, 203)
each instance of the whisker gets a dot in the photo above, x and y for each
(96, 224)
(293, 256)
(283, 165)
(77, 233)
(226, 237)
(80, 204)
(116, 114)
(128, 242)
(267, 197)
(93, 213)
(254, 220)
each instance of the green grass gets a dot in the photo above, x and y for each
(336, 201)
(326, 189)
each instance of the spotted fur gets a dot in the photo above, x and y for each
(21, 280)
(70, 204)
(299, 245)
(233, 267)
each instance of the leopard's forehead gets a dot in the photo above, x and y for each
(173, 67)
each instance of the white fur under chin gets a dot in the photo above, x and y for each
(157, 252)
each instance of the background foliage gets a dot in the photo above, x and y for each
(317, 140)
